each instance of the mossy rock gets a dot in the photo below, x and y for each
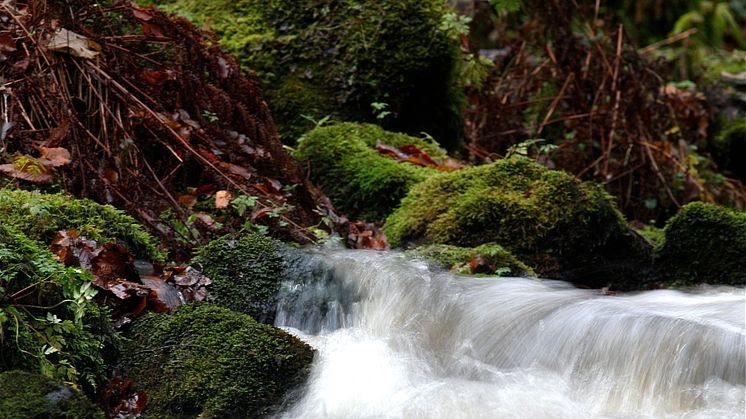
(209, 362)
(45, 329)
(562, 227)
(492, 259)
(704, 243)
(40, 216)
(360, 181)
(246, 273)
(31, 396)
(323, 57)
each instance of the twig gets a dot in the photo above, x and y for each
(668, 41)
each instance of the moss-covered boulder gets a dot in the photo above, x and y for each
(40, 216)
(325, 57)
(31, 396)
(246, 272)
(562, 227)
(360, 181)
(48, 323)
(489, 258)
(704, 243)
(209, 362)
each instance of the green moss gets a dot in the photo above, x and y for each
(652, 234)
(47, 324)
(245, 273)
(704, 243)
(210, 362)
(360, 181)
(40, 216)
(495, 259)
(729, 144)
(32, 396)
(564, 228)
(351, 54)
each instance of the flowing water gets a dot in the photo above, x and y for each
(398, 339)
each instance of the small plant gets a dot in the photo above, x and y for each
(380, 110)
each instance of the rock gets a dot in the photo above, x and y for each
(704, 243)
(209, 362)
(26, 395)
(489, 258)
(319, 58)
(245, 273)
(360, 181)
(562, 227)
(41, 216)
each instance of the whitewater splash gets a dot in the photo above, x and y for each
(398, 339)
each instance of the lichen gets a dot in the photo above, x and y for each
(350, 54)
(207, 361)
(489, 258)
(704, 243)
(26, 395)
(562, 227)
(245, 273)
(360, 181)
(40, 216)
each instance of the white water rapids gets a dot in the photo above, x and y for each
(397, 339)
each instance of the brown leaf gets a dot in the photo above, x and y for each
(77, 45)
(153, 30)
(7, 43)
(27, 168)
(156, 77)
(222, 199)
(142, 14)
(54, 156)
(188, 200)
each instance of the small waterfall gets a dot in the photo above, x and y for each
(399, 339)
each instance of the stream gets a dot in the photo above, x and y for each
(397, 338)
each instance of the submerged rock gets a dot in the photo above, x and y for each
(207, 361)
(360, 181)
(26, 395)
(704, 243)
(562, 227)
(488, 259)
(320, 58)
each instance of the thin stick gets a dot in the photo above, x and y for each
(668, 41)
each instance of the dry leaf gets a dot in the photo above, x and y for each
(54, 156)
(222, 199)
(74, 44)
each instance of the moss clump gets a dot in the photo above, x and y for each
(46, 315)
(210, 362)
(326, 57)
(564, 228)
(359, 180)
(493, 259)
(729, 143)
(32, 396)
(40, 216)
(245, 273)
(704, 243)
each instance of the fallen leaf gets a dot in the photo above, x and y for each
(222, 199)
(153, 30)
(54, 156)
(27, 168)
(7, 43)
(77, 45)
